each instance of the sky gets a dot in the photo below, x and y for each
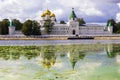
(91, 10)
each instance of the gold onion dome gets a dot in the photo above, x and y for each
(52, 15)
(47, 12)
(43, 15)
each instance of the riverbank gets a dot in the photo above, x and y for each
(86, 37)
(50, 38)
(107, 38)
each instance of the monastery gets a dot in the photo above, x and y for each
(72, 27)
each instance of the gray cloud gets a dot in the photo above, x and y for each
(90, 10)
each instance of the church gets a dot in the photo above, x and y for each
(72, 27)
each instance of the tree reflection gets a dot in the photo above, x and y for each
(48, 56)
(10, 54)
(31, 54)
(14, 53)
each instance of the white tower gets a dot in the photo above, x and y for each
(11, 28)
(110, 27)
(73, 23)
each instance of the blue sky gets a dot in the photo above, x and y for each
(90, 10)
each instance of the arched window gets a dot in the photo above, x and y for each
(73, 32)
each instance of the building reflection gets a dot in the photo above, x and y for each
(113, 51)
(74, 56)
(48, 57)
(110, 51)
(48, 54)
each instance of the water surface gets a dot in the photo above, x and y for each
(60, 62)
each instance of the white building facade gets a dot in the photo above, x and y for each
(72, 27)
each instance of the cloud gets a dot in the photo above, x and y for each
(91, 11)
(95, 10)
(21, 9)
(118, 14)
(86, 7)
(118, 17)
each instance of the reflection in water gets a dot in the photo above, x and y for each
(112, 50)
(88, 62)
(48, 56)
(74, 56)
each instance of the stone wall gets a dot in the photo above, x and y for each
(107, 38)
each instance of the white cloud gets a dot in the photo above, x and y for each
(21, 9)
(86, 7)
(118, 4)
(118, 17)
(99, 10)
(91, 11)
(118, 14)
(59, 13)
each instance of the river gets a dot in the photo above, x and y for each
(53, 42)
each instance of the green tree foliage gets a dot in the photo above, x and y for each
(48, 26)
(17, 24)
(27, 28)
(113, 23)
(118, 27)
(0, 27)
(30, 28)
(36, 28)
(81, 21)
(62, 22)
(4, 26)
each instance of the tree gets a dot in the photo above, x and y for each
(27, 28)
(62, 22)
(113, 23)
(17, 24)
(0, 27)
(48, 26)
(36, 28)
(118, 27)
(30, 28)
(81, 21)
(4, 24)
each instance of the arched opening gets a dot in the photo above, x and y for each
(73, 32)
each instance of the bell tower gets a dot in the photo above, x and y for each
(73, 23)
(11, 28)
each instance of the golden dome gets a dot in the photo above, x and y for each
(46, 65)
(43, 15)
(52, 15)
(47, 12)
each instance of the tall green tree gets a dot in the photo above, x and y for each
(0, 27)
(36, 28)
(118, 27)
(17, 24)
(48, 26)
(27, 28)
(4, 24)
(30, 28)
(81, 21)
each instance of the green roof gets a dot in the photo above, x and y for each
(109, 24)
(72, 15)
(11, 23)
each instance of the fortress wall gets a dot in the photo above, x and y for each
(107, 38)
